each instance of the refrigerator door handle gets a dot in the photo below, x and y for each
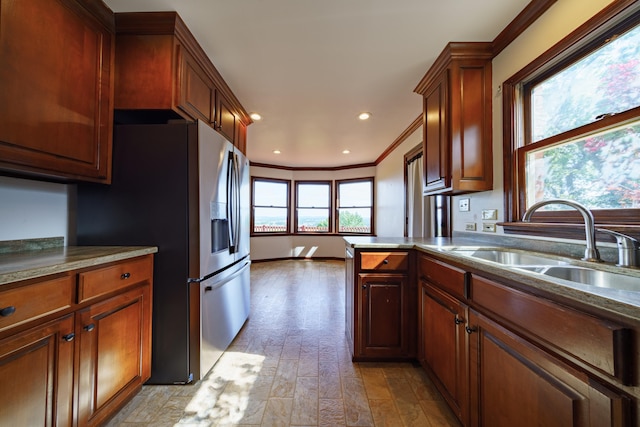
(236, 211)
(231, 202)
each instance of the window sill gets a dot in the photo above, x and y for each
(566, 230)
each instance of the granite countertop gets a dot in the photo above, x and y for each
(612, 300)
(30, 264)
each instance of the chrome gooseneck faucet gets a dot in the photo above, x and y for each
(591, 252)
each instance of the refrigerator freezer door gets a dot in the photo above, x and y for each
(225, 307)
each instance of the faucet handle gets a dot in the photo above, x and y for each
(623, 241)
(628, 248)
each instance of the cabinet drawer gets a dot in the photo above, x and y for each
(104, 280)
(599, 343)
(383, 261)
(31, 301)
(449, 278)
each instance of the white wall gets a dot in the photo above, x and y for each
(33, 209)
(273, 247)
(390, 191)
(562, 18)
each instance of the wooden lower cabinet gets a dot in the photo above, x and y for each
(443, 347)
(380, 305)
(112, 349)
(513, 382)
(36, 373)
(383, 325)
(75, 346)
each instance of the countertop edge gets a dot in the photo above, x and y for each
(574, 292)
(34, 264)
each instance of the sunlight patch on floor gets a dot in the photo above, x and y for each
(235, 374)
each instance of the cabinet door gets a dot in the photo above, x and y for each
(113, 345)
(36, 373)
(225, 119)
(241, 137)
(56, 84)
(470, 126)
(382, 325)
(516, 383)
(443, 347)
(436, 136)
(196, 91)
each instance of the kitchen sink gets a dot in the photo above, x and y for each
(553, 267)
(588, 276)
(509, 257)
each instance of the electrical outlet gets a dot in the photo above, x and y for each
(490, 214)
(488, 227)
(470, 226)
(463, 205)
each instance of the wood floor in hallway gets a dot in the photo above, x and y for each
(290, 366)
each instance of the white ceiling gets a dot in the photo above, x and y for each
(309, 67)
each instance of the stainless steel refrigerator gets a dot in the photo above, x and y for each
(185, 189)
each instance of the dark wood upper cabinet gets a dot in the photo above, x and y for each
(457, 120)
(56, 89)
(161, 66)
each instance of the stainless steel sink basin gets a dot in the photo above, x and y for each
(553, 267)
(588, 276)
(510, 257)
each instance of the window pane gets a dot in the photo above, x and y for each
(354, 220)
(606, 81)
(313, 195)
(268, 193)
(355, 193)
(313, 220)
(269, 220)
(601, 171)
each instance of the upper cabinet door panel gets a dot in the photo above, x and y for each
(55, 90)
(436, 159)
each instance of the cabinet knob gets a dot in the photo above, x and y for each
(7, 311)
(69, 337)
(90, 327)
(364, 286)
(470, 330)
(458, 320)
(386, 261)
(124, 276)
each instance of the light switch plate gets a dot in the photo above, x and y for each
(490, 214)
(463, 205)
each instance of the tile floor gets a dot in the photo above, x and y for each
(290, 366)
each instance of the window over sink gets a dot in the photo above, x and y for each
(573, 126)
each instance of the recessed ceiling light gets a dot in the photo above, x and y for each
(345, 151)
(276, 151)
(255, 116)
(364, 116)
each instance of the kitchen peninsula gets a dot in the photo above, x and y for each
(497, 335)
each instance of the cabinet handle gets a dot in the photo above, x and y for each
(69, 337)
(364, 286)
(470, 330)
(7, 311)
(386, 261)
(458, 320)
(124, 276)
(90, 327)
